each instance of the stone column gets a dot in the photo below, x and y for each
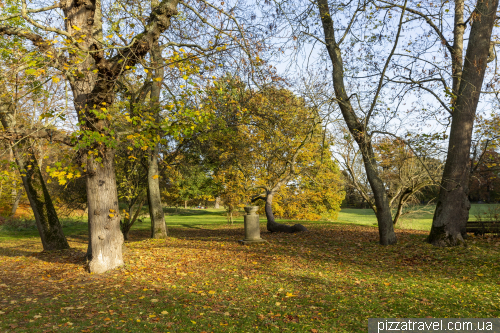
(252, 227)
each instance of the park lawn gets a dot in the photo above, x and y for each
(419, 219)
(330, 279)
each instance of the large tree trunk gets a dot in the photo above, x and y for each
(452, 209)
(92, 78)
(272, 225)
(105, 238)
(357, 129)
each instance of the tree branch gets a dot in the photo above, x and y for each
(381, 81)
(429, 21)
(32, 11)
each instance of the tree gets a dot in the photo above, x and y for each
(131, 178)
(336, 27)
(452, 208)
(24, 153)
(47, 222)
(91, 74)
(92, 64)
(485, 183)
(314, 195)
(232, 189)
(268, 138)
(406, 175)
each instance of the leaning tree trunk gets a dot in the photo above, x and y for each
(357, 128)
(105, 238)
(272, 225)
(47, 222)
(383, 210)
(15, 204)
(452, 208)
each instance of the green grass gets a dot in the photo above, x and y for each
(419, 219)
(330, 279)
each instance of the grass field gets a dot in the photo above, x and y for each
(330, 279)
(420, 218)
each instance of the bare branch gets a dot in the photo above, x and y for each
(381, 81)
(429, 21)
(24, 14)
(32, 11)
(52, 135)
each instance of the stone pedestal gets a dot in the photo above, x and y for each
(252, 227)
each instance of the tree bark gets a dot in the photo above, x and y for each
(272, 225)
(357, 129)
(452, 208)
(15, 204)
(217, 203)
(47, 222)
(92, 80)
(105, 238)
(158, 226)
(127, 224)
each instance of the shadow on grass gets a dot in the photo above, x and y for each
(346, 246)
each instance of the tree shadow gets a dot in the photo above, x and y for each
(68, 256)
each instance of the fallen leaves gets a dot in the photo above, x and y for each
(333, 281)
